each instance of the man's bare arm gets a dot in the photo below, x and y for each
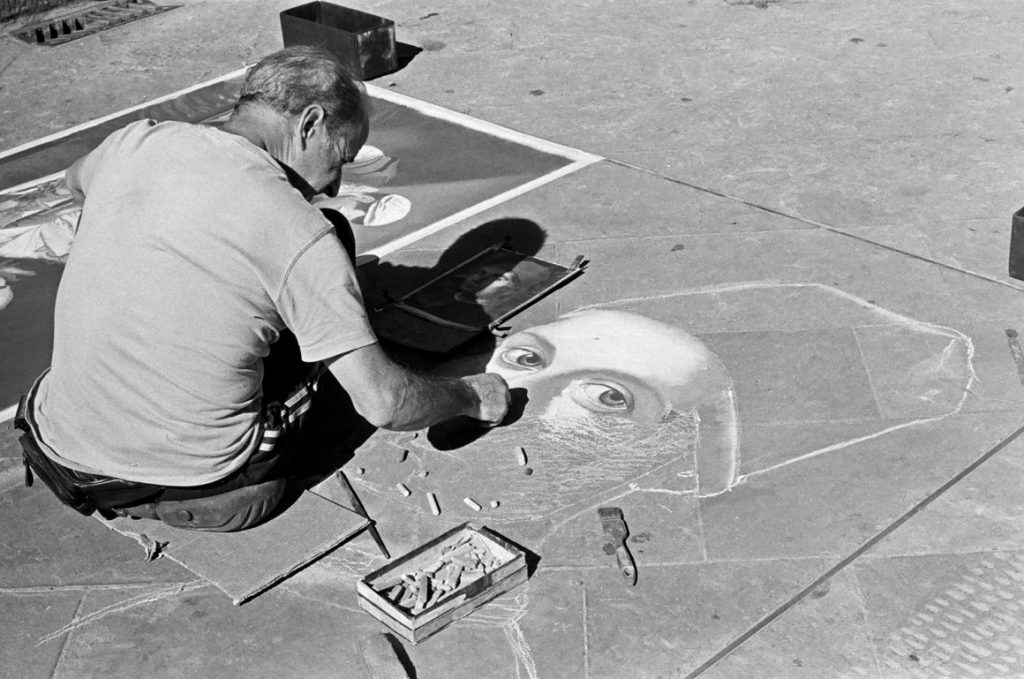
(392, 397)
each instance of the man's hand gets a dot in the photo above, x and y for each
(494, 397)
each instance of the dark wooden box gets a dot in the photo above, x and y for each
(364, 43)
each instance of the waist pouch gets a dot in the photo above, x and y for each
(85, 493)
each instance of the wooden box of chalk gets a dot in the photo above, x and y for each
(449, 577)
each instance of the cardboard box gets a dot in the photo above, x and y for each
(364, 43)
(509, 570)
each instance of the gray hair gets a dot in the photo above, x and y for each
(296, 77)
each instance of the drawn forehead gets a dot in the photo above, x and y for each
(620, 341)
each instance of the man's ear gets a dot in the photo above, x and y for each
(311, 121)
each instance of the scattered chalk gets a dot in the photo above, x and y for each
(434, 507)
(403, 489)
(494, 504)
(471, 503)
(521, 456)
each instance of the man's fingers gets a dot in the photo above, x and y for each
(494, 398)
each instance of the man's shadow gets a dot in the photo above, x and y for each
(333, 430)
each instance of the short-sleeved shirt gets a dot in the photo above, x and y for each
(192, 254)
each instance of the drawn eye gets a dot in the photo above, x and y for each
(523, 357)
(603, 397)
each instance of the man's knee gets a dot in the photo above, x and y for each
(226, 512)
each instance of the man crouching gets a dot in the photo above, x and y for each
(196, 253)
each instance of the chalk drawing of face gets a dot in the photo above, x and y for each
(487, 284)
(619, 378)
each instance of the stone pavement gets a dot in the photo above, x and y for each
(820, 192)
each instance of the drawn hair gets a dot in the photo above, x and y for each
(296, 77)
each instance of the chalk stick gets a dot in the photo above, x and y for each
(471, 503)
(434, 507)
(521, 456)
(403, 489)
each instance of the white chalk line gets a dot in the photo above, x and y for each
(509, 625)
(479, 125)
(138, 600)
(494, 201)
(99, 121)
(894, 317)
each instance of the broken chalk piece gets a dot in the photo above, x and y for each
(521, 456)
(424, 474)
(403, 455)
(360, 471)
(472, 504)
(403, 489)
(434, 507)
(494, 504)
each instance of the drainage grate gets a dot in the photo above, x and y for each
(88, 21)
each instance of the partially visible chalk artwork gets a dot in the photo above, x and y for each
(621, 400)
(362, 201)
(37, 223)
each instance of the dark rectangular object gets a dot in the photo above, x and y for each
(1017, 246)
(91, 19)
(364, 43)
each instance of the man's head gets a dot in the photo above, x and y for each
(314, 115)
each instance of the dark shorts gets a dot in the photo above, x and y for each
(242, 499)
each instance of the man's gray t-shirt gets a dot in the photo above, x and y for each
(192, 254)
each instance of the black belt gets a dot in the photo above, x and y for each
(85, 493)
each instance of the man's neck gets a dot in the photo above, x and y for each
(268, 130)
(263, 127)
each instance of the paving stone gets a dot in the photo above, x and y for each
(47, 544)
(806, 375)
(836, 501)
(824, 634)
(25, 619)
(199, 632)
(679, 616)
(945, 615)
(999, 384)
(980, 513)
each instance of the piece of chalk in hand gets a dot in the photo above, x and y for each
(434, 507)
(521, 456)
(403, 489)
(471, 503)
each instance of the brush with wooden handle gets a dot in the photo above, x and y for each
(615, 530)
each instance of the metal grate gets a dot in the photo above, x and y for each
(96, 18)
